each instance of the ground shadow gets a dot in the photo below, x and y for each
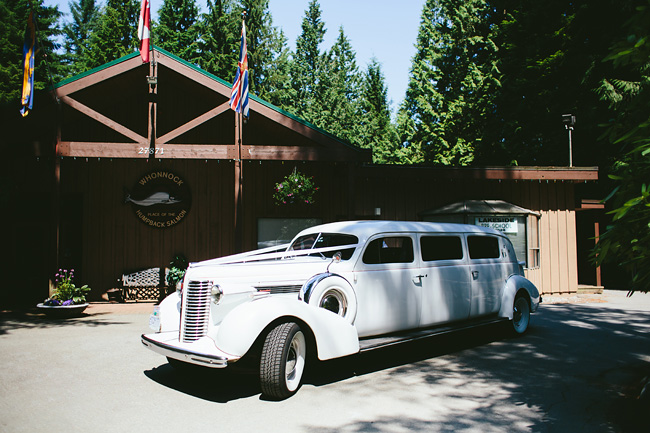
(215, 385)
(30, 318)
(574, 368)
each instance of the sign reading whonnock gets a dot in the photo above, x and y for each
(505, 224)
(160, 199)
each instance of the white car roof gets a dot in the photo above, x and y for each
(364, 229)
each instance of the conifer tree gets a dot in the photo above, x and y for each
(219, 44)
(177, 29)
(267, 51)
(77, 33)
(14, 15)
(115, 33)
(339, 87)
(377, 131)
(306, 66)
(453, 78)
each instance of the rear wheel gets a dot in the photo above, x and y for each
(282, 361)
(520, 315)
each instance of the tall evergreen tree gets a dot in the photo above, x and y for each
(268, 54)
(626, 242)
(453, 78)
(77, 33)
(338, 88)
(377, 131)
(12, 30)
(219, 44)
(306, 66)
(115, 34)
(177, 29)
(550, 57)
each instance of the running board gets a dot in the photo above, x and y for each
(371, 343)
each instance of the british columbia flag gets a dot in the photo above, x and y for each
(239, 93)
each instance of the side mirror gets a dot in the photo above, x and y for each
(335, 259)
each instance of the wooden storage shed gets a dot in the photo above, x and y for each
(128, 137)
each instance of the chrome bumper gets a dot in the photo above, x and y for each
(162, 344)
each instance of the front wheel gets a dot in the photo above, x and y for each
(520, 315)
(282, 361)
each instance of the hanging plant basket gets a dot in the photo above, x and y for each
(294, 189)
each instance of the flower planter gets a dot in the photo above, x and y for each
(62, 311)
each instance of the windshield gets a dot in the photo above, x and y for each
(325, 240)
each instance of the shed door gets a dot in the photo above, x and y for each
(389, 291)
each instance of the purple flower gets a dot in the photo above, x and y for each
(68, 302)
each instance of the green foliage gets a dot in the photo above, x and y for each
(48, 67)
(295, 188)
(220, 28)
(377, 131)
(177, 271)
(338, 88)
(626, 241)
(77, 33)
(114, 34)
(453, 78)
(66, 292)
(177, 29)
(307, 65)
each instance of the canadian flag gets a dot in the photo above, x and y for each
(143, 30)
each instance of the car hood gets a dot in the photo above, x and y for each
(257, 275)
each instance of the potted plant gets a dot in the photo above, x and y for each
(177, 271)
(295, 188)
(67, 300)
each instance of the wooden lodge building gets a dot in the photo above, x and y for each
(132, 163)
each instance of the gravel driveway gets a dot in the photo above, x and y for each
(578, 369)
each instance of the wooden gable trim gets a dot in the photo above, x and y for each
(104, 120)
(330, 145)
(324, 146)
(96, 76)
(193, 123)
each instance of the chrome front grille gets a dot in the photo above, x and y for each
(280, 290)
(196, 310)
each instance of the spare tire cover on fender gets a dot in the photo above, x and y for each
(332, 292)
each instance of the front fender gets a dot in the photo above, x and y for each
(170, 313)
(334, 336)
(514, 284)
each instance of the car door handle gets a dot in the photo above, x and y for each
(418, 278)
(475, 275)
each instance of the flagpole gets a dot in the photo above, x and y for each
(239, 103)
(239, 178)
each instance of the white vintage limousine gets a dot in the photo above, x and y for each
(338, 289)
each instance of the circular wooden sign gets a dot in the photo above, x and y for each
(160, 199)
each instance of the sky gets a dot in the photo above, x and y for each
(382, 29)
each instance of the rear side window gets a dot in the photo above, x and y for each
(396, 249)
(441, 248)
(483, 247)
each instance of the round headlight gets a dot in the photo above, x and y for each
(217, 293)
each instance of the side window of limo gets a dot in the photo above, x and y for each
(436, 248)
(483, 247)
(394, 249)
